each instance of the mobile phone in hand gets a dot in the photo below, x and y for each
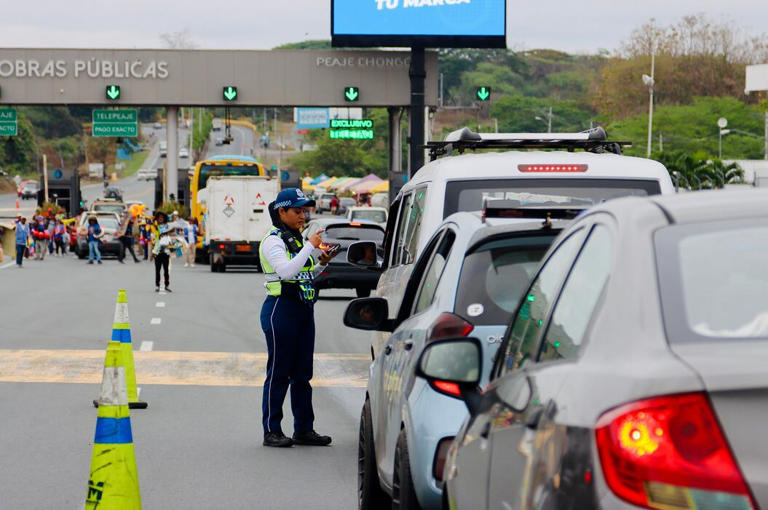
(332, 248)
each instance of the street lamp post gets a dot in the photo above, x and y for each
(722, 123)
(649, 82)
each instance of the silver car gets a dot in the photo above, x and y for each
(468, 279)
(633, 374)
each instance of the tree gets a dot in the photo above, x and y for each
(179, 40)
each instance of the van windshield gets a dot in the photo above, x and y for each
(469, 195)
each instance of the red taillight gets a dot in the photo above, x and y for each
(552, 168)
(441, 454)
(669, 448)
(222, 246)
(449, 388)
(449, 325)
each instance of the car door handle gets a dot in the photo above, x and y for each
(408, 345)
(387, 350)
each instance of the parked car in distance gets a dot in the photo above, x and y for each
(376, 214)
(380, 200)
(146, 174)
(183, 152)
(113, 193)
(340, 274)
(108, 205)
(632, 374)
(109, 223)
(29, 189)
(344, 205)
(324, 202)
(468, 279)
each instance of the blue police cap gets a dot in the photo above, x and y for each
(292, 197)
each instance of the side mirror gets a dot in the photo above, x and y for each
(370, 314)
(363, 254)
(453, 367)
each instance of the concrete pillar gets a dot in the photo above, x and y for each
(396, 180)
(172, 159)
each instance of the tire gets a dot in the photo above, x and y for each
(214, 269)
(363, 292)
(403, 492)
(370, 496)
(222, 268)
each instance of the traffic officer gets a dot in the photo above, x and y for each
(287, 319)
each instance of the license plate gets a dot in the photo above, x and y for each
(243, 247)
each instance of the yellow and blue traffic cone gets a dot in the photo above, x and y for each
(113, 483)
(121, 332)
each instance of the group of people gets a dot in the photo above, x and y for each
(45, 234)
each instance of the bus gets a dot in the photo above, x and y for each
(230, 165)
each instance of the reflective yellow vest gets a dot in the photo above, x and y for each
(273, 282)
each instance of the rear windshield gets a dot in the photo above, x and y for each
(714, 280)
(354, 233)
(378, 216)
(495, 276)
(469, 195)
(207, 171)
(109, 208)
(107, 222)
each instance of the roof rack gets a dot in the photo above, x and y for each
(591, 140)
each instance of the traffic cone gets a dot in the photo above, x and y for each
(121, 332)
(113, 483)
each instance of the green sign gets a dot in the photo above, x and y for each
(230, 93)
(351, 129)
(113, 92)
(351, 94)
(8, 125)
(115, 123)
(483, 93)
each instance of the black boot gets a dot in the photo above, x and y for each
(311, 438)
(277, 439)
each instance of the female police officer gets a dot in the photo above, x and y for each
(287, 320)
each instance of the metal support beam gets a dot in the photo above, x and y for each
(417, 73)
(396, 180)
(171, 160)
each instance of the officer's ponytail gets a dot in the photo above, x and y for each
(274, 215)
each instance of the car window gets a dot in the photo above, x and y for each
(523, 334)
(343, 232)
(417, 276)
(579, 297)
(373, 215)
(390, 229)
(434, 272)
(402, 223)
(415, 217)
(496, 273)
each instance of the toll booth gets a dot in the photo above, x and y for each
(182, 194)
(63, 189)
(290, 178)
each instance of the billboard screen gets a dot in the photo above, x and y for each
(426, 23)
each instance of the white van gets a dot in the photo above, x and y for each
(449, 184)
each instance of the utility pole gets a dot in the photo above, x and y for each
(417, 74)
(549, 120)
(45, 177)
(650, 82)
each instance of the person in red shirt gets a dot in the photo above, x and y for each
(334, 205)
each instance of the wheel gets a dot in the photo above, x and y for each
(214, 268)
(370, 496)
(363, 292)
(222, 268)
(403, 493)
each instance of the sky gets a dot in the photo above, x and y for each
(576, 26)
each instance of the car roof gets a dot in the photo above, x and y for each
(702, 206)
(473, 222)
(342, 221)
(489, 165)
(365, 208)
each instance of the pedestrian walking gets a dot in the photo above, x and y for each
(22, 238)
(59, 231)
(50, 227)
(190, 235)
(162, 250)
(287, 318)
(39, 234)
(94, 235)
(126, 238)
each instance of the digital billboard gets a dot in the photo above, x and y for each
(420, 23)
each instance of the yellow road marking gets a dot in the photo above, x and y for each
(174, 368)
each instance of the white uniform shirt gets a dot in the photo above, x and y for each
(275, 252)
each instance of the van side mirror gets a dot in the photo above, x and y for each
(370, 314)
(453, 367)
(363, 254)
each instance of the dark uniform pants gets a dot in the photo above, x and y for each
(289, 327)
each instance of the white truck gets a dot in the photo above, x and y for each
(236, 218)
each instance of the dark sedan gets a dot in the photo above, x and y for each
(340, 274)
(633, 372)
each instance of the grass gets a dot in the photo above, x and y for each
(132, 165)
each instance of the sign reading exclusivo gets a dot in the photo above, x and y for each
(433, 23)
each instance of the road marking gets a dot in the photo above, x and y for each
(9, 264)
(160, 304)
(156, 320)
(146, 345)
(174, 368)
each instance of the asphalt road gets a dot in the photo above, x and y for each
(200, 356)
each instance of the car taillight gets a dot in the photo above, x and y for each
(441, 454)
(552, 168)
(222, 246)
(449, 325)
(669, 452)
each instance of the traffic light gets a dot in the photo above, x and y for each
(483, 93)
(351, 94)
(230, 93)
(113, 92)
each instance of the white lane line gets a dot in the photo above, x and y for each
(156, 320)
(9, 264)
(160, 304)
(146, 345)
